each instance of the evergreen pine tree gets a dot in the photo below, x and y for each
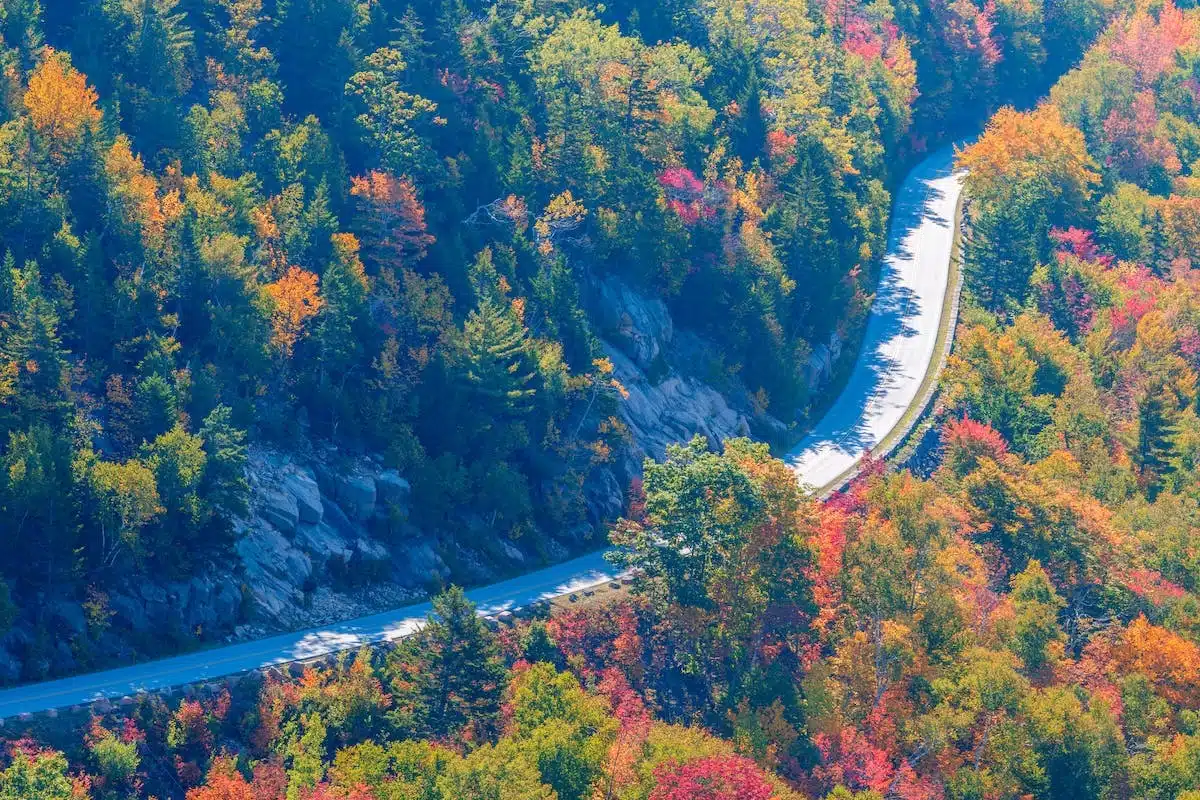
(32, 355)
(1155, 432)
(497, 367)
(1005, 241)
(466, 673)
(225, 484)
(340, 335)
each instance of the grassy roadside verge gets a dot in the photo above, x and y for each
(941, 348)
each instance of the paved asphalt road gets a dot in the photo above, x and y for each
(898, 347)
(901, 334)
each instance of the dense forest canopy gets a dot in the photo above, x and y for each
(400, 246)
(374, 224)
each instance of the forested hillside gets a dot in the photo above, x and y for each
(379, 226)
(1019, 620)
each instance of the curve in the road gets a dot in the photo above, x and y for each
(900, 343)
(898, 348)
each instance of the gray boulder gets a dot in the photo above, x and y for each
(303, 487)
(199, 613)
(227, 602)
(393, 489)
(278, 507)
(639, 325)
(372, 551)
(322, 543)
(158, 610)
(356, 495)
(266, 554)
(337, 519)
(128, 611)
(70, 617)
(605, 498)
(180, 594)
(419, 565)
(673, 410)
(822, 361)
(508, 551)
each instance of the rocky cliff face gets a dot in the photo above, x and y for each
(327, 535)
(669, 399)
(318, 526)
(326, 538)
(663, 370)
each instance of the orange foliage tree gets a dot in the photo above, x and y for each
(226, 783)
(1171, 662)
(136, 197)
(391, 219)
(295, 301)
(1017, 147)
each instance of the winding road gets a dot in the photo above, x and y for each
(899, 349)
(900, 344)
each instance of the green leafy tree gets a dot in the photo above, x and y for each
(1004, 243)
(1078, 747)
(33, 354)
(156, 405)
(306, 756)
(495, 772)
(35, 466)
(567, 732)
(116, 758)
(1037, 606)
(178, 461)
(699, 508)
(342, 333)
(124, 500)
(397, 123)
(42, 775)
(153, 45)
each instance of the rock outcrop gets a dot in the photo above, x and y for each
(638, 325)
(823, 361)
(669, 399)
(328, 536)
(674, 409)
(286, 557)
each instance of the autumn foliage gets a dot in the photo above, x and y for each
(391, 219)
(1019, 147)
(60, 102)
(719, 778)
(295, 300)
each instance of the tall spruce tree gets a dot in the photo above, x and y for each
(497, 369)
(466, 673)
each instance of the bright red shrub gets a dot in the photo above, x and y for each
(713, 778)
(849, 759)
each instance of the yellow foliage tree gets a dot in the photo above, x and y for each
(135, 194)
(1022, 146)
(563, 214)
(60, 102)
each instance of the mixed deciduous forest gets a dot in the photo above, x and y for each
(229, 222)
(1017, 618)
